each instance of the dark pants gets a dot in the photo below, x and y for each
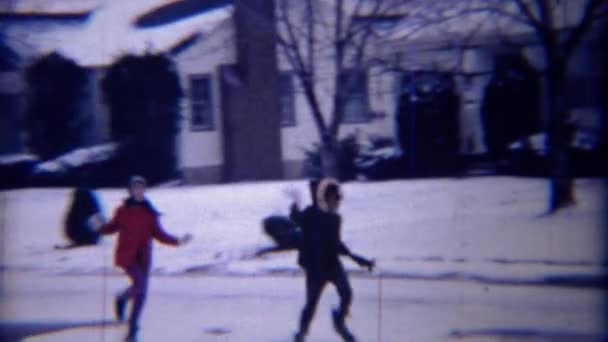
(137, 292)
(314, 287)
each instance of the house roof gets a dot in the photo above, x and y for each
(176, 11)
(109, 32)
(47, 9)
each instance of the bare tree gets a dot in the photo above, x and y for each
(319, 38)
(559, 36)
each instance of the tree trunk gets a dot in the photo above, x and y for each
(558, 143)
(329, 157)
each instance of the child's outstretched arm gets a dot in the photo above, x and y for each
(161, 235)
(103, 227)
(295, 212)
(361, 261)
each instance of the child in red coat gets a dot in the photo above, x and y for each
(136, 222)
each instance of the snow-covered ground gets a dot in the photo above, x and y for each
(461, 228)
(448, 253)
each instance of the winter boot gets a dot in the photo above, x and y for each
(340, 326)
(119, 308)
(132, 334)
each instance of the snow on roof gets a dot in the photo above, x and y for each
(177, 11)
(47, 7)
(110, 32)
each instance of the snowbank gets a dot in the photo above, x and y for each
(78, 157)
(11, 159)
(486, 228)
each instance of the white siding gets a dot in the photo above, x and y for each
(204, 148)
(382, 99)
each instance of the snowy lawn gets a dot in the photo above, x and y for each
(488, 228)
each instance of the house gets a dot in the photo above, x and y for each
(93, 33)
(465, 54)
(17, 20)
(245, 115)
(483, 47)
(211, 135)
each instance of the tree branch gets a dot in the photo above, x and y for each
(345, 89)
(351, 30)
(311, 38)
(586, 22)
(296, 59)
(495, 10)
(531, 18)
(338, 65)
(546, 17)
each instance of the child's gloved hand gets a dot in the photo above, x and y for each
(363, 262)
(96, 221)
(294, 195)
(184, 239)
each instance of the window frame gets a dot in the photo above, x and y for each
(192, 103)
(292, 120)
(366, 116)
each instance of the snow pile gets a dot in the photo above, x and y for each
(77, 158)
(11, 159)
(536, 142)
(582, 140)
(487, 228)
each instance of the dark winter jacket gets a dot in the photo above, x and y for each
(137, 224)
(84, 205)
(320, 243)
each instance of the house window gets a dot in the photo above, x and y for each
(356, 105)
(287, 99)
(201, 103)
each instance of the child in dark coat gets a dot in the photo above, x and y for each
(319, 250)
(77, 225)
(137, 223)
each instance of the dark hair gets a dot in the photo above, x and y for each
(332, 190)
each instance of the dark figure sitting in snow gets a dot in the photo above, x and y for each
(77, 225)
(137, 223)
(319, 249)
(283, 231)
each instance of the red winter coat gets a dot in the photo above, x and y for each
(137, 224)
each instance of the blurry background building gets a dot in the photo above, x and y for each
(465, 87)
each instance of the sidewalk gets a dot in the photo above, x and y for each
(267, 308)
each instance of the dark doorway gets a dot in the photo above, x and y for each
(510, 109)
(427, 121)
